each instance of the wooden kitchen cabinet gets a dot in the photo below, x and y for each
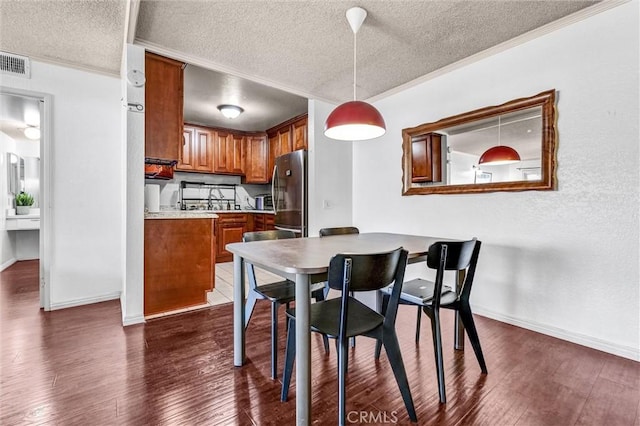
(197, 150)
(163, 107)
(263, 222)
(179, 263)
(299, 134)
(228, 153)
(426, 153)
(256, 168)
(286, 137)
(229, 229)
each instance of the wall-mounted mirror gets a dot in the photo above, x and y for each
(15, 165)
(510, 147)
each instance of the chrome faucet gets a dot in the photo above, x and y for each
(211, 198)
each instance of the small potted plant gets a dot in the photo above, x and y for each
(24, 201)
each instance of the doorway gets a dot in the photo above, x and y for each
(25, 135)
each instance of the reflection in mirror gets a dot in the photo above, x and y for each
(510, 147)
(13, 173)
(520, 130)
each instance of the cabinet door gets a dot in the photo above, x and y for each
(163, 107)
(220, 160)
(426, 154)
(235, 154)
(203, 144)
(186, 160)
(257, 160)
(284, 141)
(299, 132)
(273, 153)
(230, 229)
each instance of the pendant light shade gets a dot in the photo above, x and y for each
(355, 120)
(499, 155)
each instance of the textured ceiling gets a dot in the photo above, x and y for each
(302, 47)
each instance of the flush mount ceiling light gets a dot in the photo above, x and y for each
(32, 133)
(354, 120)
(230, 111)
(500, 154)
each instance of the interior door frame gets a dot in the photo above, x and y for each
(46, 205)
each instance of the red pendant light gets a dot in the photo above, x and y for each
(354, 120)
(500, 154)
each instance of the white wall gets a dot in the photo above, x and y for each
(7, 239)
(330, 174)
(562, 262)
(86, 155)
(132, 193)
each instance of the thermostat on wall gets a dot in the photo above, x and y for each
(136, 78)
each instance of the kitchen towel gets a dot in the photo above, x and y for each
(152, 197)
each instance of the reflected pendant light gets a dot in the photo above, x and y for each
(500, 154)
(354, 120)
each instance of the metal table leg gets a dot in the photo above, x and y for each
(238, 310)
(303, 350)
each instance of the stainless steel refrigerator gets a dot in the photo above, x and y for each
(289, 192)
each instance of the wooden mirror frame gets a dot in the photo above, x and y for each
(548, 155)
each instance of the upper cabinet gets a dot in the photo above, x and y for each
(286, 137)
(196, 154)
(228, 153)
(257, 164)
(163, 107)
(299, 134)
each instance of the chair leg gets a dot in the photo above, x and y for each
(391, 346)
(342, 381)
(248, 307)
(418, 324)
(321, 295)
(437, 350)
(274, 340)
(289, 358)
(383, 310)
(467, 320)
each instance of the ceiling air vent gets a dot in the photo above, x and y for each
(15, 65)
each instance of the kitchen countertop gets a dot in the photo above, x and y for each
(197, 214)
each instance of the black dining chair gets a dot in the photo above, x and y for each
(341, 230)
(278, 293)
(345, 317)
(431, 296)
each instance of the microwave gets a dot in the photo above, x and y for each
(264, 202)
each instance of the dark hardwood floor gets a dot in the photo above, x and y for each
(79, 366)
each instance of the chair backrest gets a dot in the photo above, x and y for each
(325, 232)
(262, 236)
(365, 272)
(453, 256)
(267, 235)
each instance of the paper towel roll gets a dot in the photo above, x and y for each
(152, 197)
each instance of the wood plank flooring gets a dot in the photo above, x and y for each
(79, 366)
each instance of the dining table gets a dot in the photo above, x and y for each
(299, 259)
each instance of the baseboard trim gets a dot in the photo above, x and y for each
(580, 339)
(8, 263)
(87, 301)
(138, 319)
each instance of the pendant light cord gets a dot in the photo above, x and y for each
(499, 141)
(355, 46)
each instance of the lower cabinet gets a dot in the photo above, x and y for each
(179, 263)
(263, 222)
(229, 229)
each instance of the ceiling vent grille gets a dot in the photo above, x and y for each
(15, 65)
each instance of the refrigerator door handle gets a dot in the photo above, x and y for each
(297, 231)
(273, 189)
